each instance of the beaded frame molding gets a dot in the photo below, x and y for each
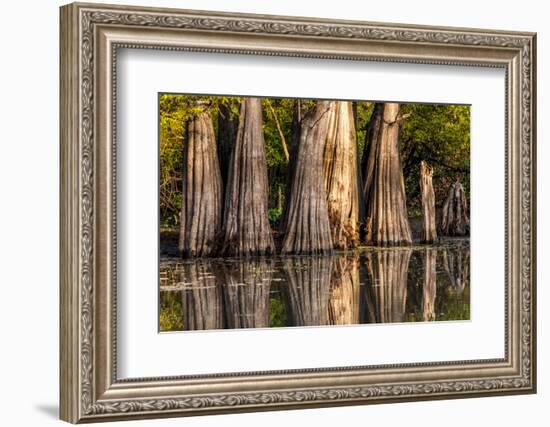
(90, 37)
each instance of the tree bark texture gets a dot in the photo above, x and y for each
(340, 170)
(307, 220)
(201, 298)
(201, 210)
(457, 266)
(388, 272)
(343, 302)
(307, 290)
(429, 232)
(387, 222)
(454, 217)
(246, 286)
(429, 287)
(246, 225)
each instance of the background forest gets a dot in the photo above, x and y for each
(437, 134)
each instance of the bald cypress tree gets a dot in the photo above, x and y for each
(429, 232)
(201, 210)
(307, 220)
(454, 217)
(387, 222)
(246, 224)
(341, 171)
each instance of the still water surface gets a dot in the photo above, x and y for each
(370, 285)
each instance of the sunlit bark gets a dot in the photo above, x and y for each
(429, 233)
(341, 172)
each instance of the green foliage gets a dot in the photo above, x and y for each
(174, 112)
(364, 111)
(440, 135)
(274, 214)
(281, 111)
(277, 313)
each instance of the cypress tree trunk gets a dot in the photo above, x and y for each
(340, 169)
(246, 287)
(343, 302)
(201, 298)
(246, 224)
(307, 290)
(454, 218)
(201, 210)
(388, 272)
(429, 233)
(387, 222)
(429, 287)
(307, 220)
(457, 266)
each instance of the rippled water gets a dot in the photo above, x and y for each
(371, 285)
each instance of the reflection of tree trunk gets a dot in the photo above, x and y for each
(428, 203)
(227, 133)
(340, 169)
(388, 277)
(343, 302)
(201, 210)
(454, 218)
(201, 298)
(246, 287)
(307, 223)
(307, 290)
(430, 285)
(456, 263)
(246, 223)
(387, 222)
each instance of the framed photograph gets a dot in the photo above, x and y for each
(267, 212)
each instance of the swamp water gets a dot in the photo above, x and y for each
(368, 285)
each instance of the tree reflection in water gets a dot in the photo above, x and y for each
(387, 296)
(457, 266)
(387, 285)
(307, 290)
(343, 304)
(429, 287)
(246, 287)
(201, 297)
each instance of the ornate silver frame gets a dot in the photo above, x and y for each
(90, 35)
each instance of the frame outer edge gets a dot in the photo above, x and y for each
(533, 208)
(77, 339)
(69, 221)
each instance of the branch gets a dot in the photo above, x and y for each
(278, 125)
(397, 119)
